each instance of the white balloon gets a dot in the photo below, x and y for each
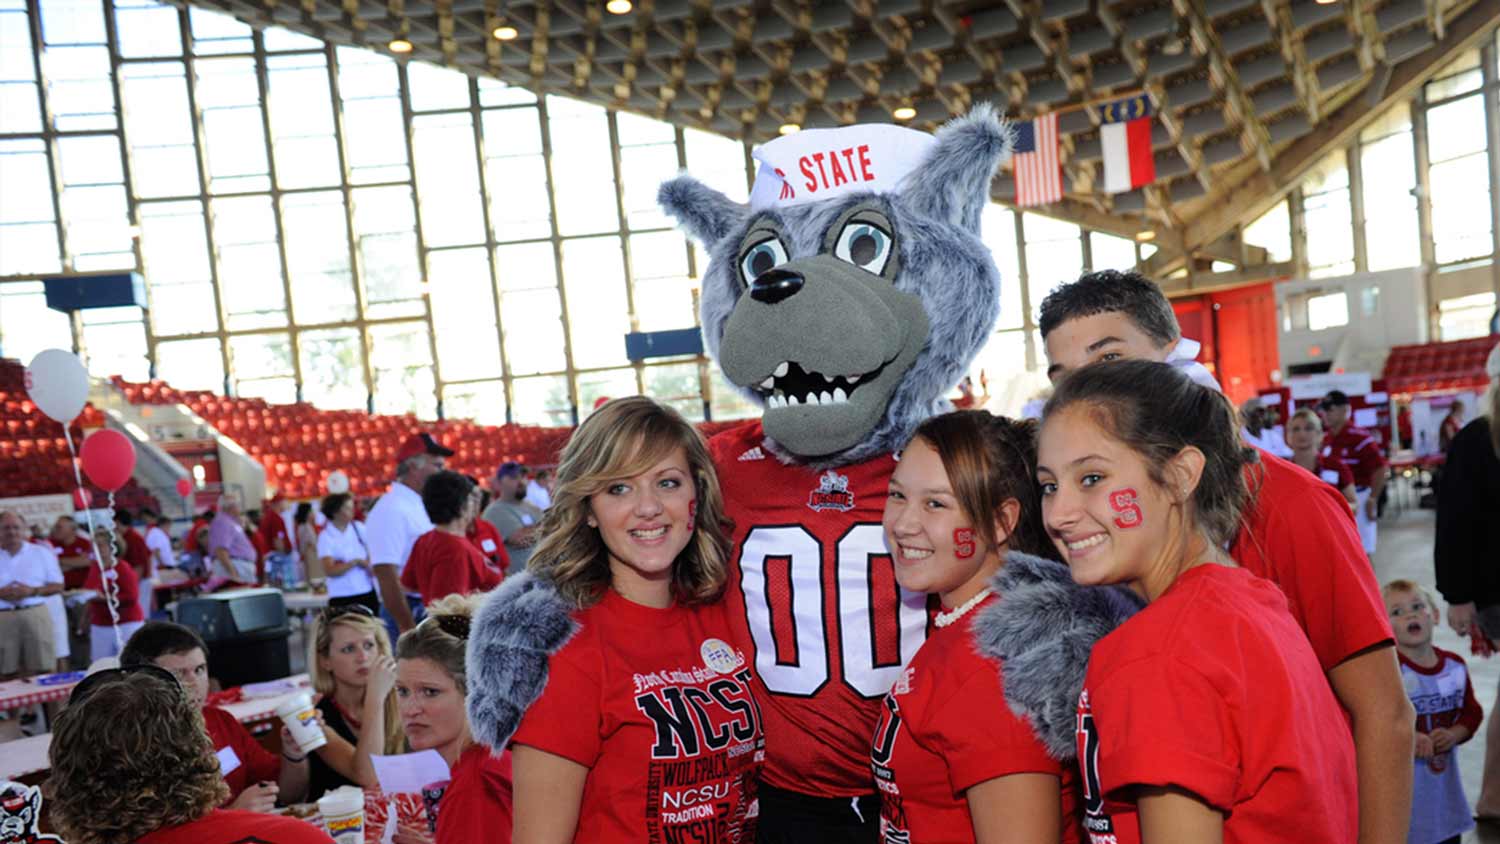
(58, 384)
(338, 482)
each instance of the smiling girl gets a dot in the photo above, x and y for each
(951, 761)
(1205, 717)
(646, 729)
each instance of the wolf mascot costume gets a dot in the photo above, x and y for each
(847, 298)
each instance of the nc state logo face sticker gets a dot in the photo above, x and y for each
(963, 543)
(1127, 511)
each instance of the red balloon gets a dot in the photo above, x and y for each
(108, 458)
(184, 487)
(81, 499)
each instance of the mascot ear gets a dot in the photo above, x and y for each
(954, 183)
(707, 215)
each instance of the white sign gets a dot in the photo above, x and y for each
(39, 509)
(1318, 386)
(818, 164)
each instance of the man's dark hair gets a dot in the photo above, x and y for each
(1112, 291)
(123, 517)
(333, 503)
(160, 638)
(444, 496)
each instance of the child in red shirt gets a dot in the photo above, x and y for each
(646, 729)
(1205, 716)
(431, 690)
(443, 561)
(951, 761)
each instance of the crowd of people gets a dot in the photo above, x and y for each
(1250, 680)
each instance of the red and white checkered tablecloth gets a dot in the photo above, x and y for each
(15, 694)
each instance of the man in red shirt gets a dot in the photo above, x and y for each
(75, 554)
(135, 551)
(443, 562)
(1358, 449)
(255, 776)
(1296, 533)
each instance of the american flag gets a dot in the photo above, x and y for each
(1038, 174)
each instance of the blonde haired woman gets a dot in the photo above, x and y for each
(349, 658)
(646, 728)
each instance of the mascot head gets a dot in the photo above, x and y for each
(853, 291)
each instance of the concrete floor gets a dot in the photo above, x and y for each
(1405, 551)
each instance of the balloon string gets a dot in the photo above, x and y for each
(110, 586)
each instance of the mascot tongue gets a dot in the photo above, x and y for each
(853, 291)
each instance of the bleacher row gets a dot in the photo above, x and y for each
(32, 447)
(299, 445)
(1438, 367)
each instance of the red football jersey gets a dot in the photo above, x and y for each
(127, 596)
(1298, 533)
(442, 564)
(476, 804)
(223, 826)
(242, 759)
(945, 728)
(813, 600)
(1212, 689)
(1358, 449)
(661, 710)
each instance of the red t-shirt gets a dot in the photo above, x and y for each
(271, 527)
(128, 596)
(442, 564)
(660, 709)
(222, 826)
(476, 804)
(487, 539)
(813, 601)
(1212, 689)
(1298, 533)
(245, 761)
(945, 728)
(79, 547)
(1358, 449)
(1333, 471)
(138, 554)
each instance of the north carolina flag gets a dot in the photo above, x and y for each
(1125, 138)
(1037, 165)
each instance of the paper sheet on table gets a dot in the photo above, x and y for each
(406, 773)
(270, 688)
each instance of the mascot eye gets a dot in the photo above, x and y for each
(763, 256)
(864, 245)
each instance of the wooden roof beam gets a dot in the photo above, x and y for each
(1253, 133)
(1304, 79)
(1256, 194)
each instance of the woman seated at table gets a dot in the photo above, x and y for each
(157, 782)
(345, 556)
(432, 689)
(349, 658)
(248, 769)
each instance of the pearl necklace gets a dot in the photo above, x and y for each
(943, 619)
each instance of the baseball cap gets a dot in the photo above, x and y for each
(1333, 399)
(421, 443)
(509, 469)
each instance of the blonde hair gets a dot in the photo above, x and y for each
(1409, 587)
(320, 647)
(1310, 415)
(443, 636)
(621, 440)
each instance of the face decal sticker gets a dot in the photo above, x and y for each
(964, 546)
(1122, 501)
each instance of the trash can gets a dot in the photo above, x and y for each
(246, 631)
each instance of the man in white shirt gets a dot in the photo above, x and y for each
(394, 524)
(159, 541)
(539, 490)
(28, 574)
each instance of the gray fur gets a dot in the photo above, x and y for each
(519, 627)
(1041, 631)
(942, 264)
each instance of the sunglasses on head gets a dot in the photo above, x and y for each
(89, 684)
(330, 613)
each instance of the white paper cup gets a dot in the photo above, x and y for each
(301, 718)
(343, 811)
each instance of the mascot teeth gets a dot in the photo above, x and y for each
(782, 369)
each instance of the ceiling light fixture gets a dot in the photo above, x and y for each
(619, 7)
(1326, 2)
(1145, 236)
(400, 44)
(789, 128)
(904, 112)
(505, 32)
